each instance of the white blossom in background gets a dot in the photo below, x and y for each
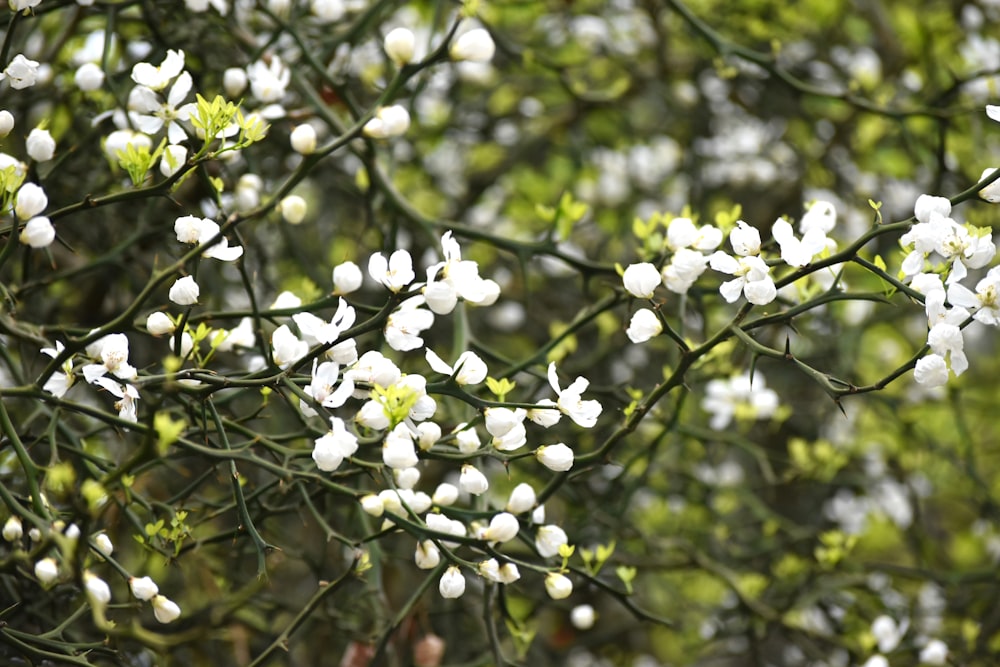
(643, 326)
(46, 570)
(330, 450)
(184, 291)
(571, 403)
(12, 529)
(303, 139)
(641, 280)
(6, 123)
(934, 653)
(740, 395)
(268, 80)
(888, 633)
(394, 273)
(118, 142)
(469, 369)
(234, 82)
(97, 589)
(103, 544)
(583, 617)
(392, 121)
(38, 232)
(475, 46)
(293, 209)
(821, 215)
(21, 72)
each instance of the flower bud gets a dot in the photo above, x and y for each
(184, 291)
(103, 543)
(991, 192)
(97, 589)
(293, 209)
(427, 434)
(399, 45)
(556, 457)
(388, 122)
(476, 46)
(427, 555)
(172, 160)
(472, 480)
(347, 278)
(445, 494)
(641, 280)
(30, 201)
(303, 139)
(582, 617)
(159, 324)
(6, 122)
(46, 570)
(143, 588)
(12, 529)
(165, 611)
(522, 499)
(372, 505)
(406, 478)
(452, 584)
(558, 586)
(503, 528)
(40, 145)
(549, 539)
(38, 233)
(509, 573)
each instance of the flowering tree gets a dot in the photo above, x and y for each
(347, 332)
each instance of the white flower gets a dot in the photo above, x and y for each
(797, 252)
(740, 394)
(373, 505)
(46, 570)
(467, 440)
(12, 529)
(388, 122)
(97, 589)
(557, 457)
(821, 215)
(685, 267)
(6, 122)
(184, 291)
(394, 274)
(165, 611)
(522, 499)
(404, 325)
(21, 72)
(745, 239)
(200, 231)
(324, 377)
(876, 661)
(508, 573)
(507, 428)
(286, 348)
(347, 278)
(293, 209)
(328, 11)
(118, 142)
(399, 45)
(993, 111)
(682, 234)
(398, 450)
(303, 139)
(887, 633)
(469, 369)
(489, 569)
(752, 279)
(475, 46)
(991, 192)
(406, 478)
(455, 278)
(30, 201)
(234, 81)
(641, 280)
(157, 78)
(113, 351)
(324, 332)
(934, 653)
(330, 450)
(931, 370)
(59, 382)
(545, 416)
(548, 539)
(503, 528)
(427, 555)
(40, 145)
(89, 77)
(172, 160)
(128, 394)
(452, 583)
(570, 403)
(985, 301)
(472, 480)
(428, 433)
(268, 81)
(38, 232)
(583, 617)
(159, 324)
(558, 586)
(643, 326)
(143, 588)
